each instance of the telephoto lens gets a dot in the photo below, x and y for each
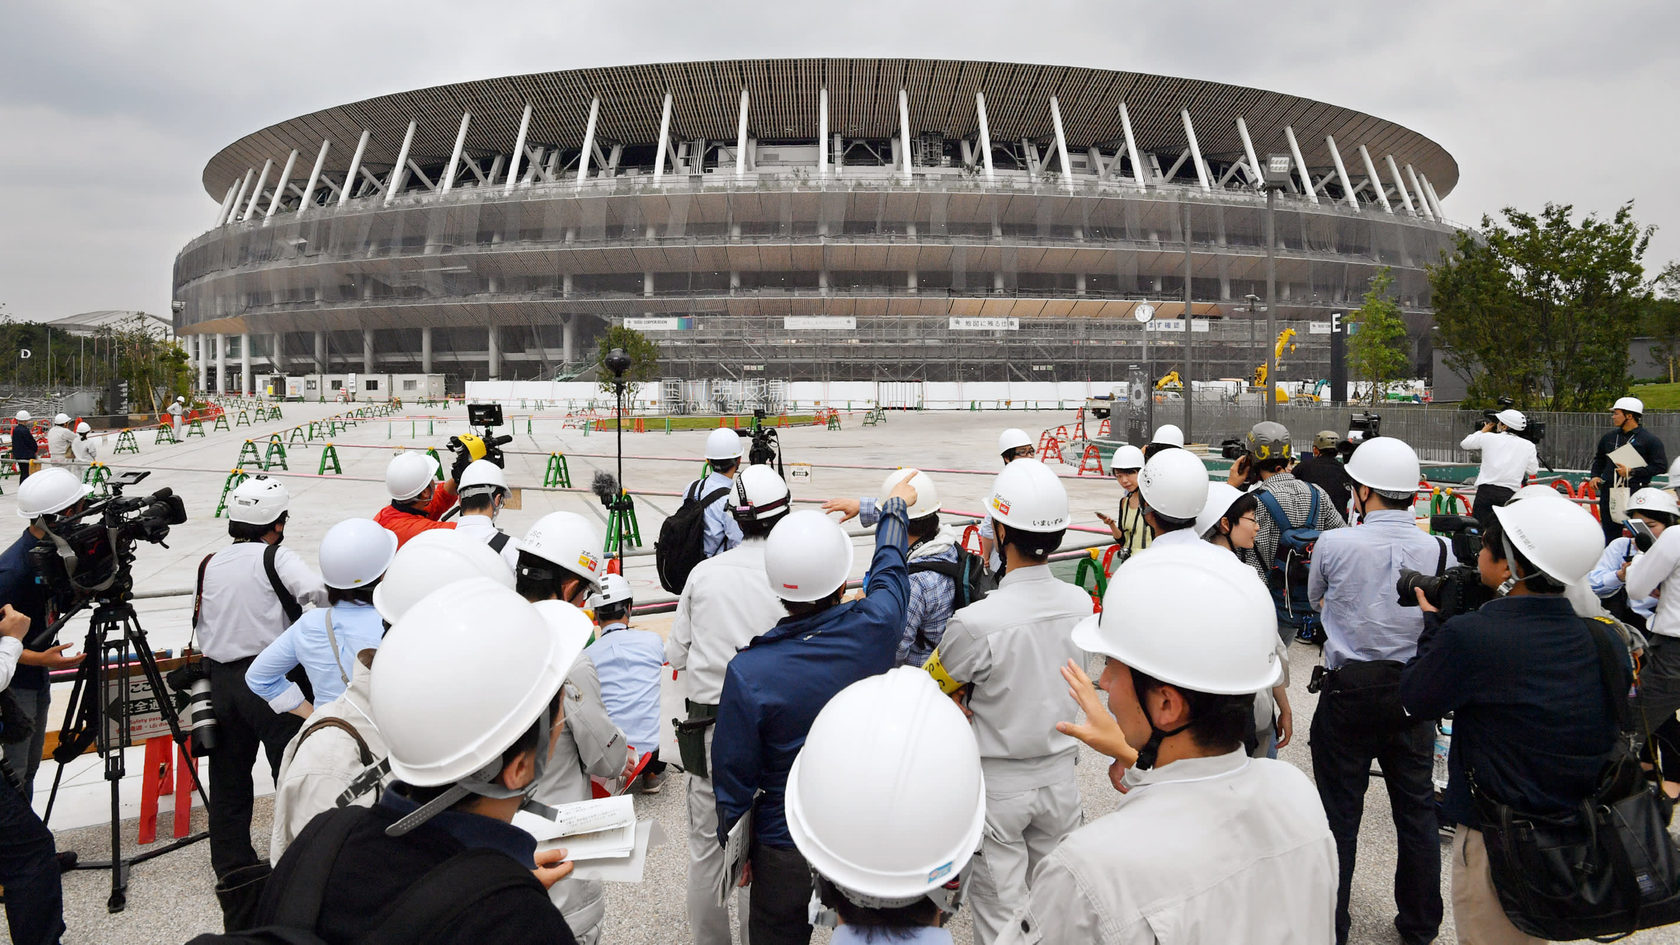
(200, 718)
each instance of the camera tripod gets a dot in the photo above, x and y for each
(100, 717)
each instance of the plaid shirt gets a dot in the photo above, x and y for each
(932, 598)
(1295, 498)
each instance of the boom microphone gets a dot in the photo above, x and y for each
(605, 487)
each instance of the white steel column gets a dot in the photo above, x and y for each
(1417, 188)
(203, 362)
(1300, 164)
(588, 142)
(518, 152)
(822, 133)
(221, 363)
(245, 364)
(494, 348)
(280, 185)
(227, 201)
(741, 139)
(367, 350)
(455, 155)
(904, 129)
(1131, 147)
(1400, 185)
(355, 165)
(1061, 142)
(1254, 168)
(314, 175)
(1376, 182)
(985, 135)
(426, 350)
(1341, 172)
(1195, 149)
(1434, 200)
(256, 192)
(244, 186)
(568, 338)
(399, 169)
(665, 140)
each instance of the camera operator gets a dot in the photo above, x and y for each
(43, 499)
(484, 491)
(29, 868)
(1659, 678)
(1325, 470)
(1657, 510)
(1508, 460)
(418, 500)
(248, 593)
(1368, 639)
(1626, 414)
(1522, 677)
(723, 461)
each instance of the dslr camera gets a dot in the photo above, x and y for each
(1232, 448)
(91, 553)
(486, 445)
(766, 446)
(1457, 589)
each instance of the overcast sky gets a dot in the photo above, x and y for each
(109, 110)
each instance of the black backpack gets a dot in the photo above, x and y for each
(969, 573)
(682, 539)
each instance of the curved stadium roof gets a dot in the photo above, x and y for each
(863, 103)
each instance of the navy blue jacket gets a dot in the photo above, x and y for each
(23, 442)
(776, 685)
(24, 591)
(1530, 714)
(1645, 443)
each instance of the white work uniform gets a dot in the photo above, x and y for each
(85, 452)
(240, 615)
(1012, 646)
(726, 602)
(589, 744)
(316, 770)
(483, 529)
(1648, 572)
(175, 412)
(1202, 850)
(59, 448)
(1507, 459)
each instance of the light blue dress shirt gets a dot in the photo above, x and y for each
(628, 663)
(1354, 571)
(305, 643)
(1604, 582)
(722, 533)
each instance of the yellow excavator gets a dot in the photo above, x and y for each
(1170, 381)
(1285, 344)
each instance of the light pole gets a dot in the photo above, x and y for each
(618, 362)
(1143, 313)
(1276, 179)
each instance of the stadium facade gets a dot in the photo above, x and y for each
(805, 219)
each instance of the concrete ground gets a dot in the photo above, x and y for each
(171, 899)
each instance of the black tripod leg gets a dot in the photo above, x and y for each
(77, 715)
(166, 707)
(111, 750)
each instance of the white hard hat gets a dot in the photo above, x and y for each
(1660, 501)
(461, 679)
(1127, 456)
(61, 419)
(614, 590)
(23, 415)
(355, 552)
(1674, 472)
(1225, 644)
(482, 475)
(50, 491)
(886, 799)
(1512, 418)
(807, 557)
(409, 473)
(1175, 484)
(180, 400)
(759, 494)
(1535, 491)
(258, 501)
(1013, 439)
(1629, 405)
(927, 494)
(1220, 495)
(1028, 496)
(83, 427)
(570, 541)
(433, 559)
(1561, 539)
(723, 443)
(1168, 434)
(1385, 464)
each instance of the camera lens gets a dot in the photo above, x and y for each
(200, 718)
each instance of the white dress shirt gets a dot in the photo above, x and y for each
(1507, 459)
(240, 614)
(1648, 572)
(482, 528)
(726, 602)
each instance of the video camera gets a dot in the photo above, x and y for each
(481, 446)
(1534, 432)
(1458, 589)
(1364, 426)
(766, 444)
(91, 553)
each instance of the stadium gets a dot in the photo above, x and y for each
(887, 220)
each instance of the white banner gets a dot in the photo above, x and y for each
(964, 323)
(825, 322)
(1176, 324)
(643, 323)
(1318, 328)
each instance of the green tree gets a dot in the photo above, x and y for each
(1662, 318)
(643, 352)
(1541, 308)
(1377, 338)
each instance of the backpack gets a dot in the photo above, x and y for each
(682, 539)
(968, 572)
(423, 911)
(1286, 573)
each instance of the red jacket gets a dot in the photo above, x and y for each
(407, 523)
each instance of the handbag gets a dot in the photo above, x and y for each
(1619, 495)
(1603, 870)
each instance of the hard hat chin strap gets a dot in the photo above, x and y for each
(482, 783)
(1152, 748)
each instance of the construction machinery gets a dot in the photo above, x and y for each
(1285, 343)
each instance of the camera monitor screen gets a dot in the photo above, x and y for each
(484, 415)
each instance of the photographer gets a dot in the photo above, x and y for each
(484, 491)
(1325, 470)
(1368, 639)
(1508, 461)
(1522, 677)
(1130, 531)
(418, 500)
(248, 593)
(1626, 414)
(723, 461)
(44, 499)
(29, 868)
(1657, 510)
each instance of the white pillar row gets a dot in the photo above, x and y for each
(245, 387)
(1376, 182)
(904, 129)
(1300, 164)
(256, 192)
(985, 135)
(1061, 143)
(494, 347)
(426, 350)
(1131, 147)
(320, 352)
(355, 165)
(245, 185)
(280, 185)
(518, 152)
(1195, 150)
(227, 201)
(1341, 172)
(393, 183)
(1399, 184)
(822, 132)
(1417, 188)
(664, 140)
(314, 176)
(367, 351)
(588, 143)
(1434, 199)
(741, 138)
